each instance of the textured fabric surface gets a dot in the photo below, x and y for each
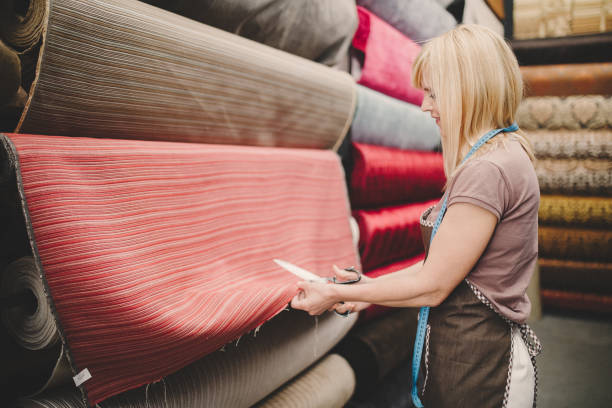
(572, 112)
(576, 301)
(418, 20)
(572, 144)
(575, 176)
(387, 58)
(568, 79)
(390, 234)
(134, 71)
(240, 375)
(385, 121)
(564, 50)
(593, 212)
(588, 277)
(386, 176)
(579, 244)
(328, 384)
(318, 30)
(158, 253)
(22, 23)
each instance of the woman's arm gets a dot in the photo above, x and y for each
(460, 241)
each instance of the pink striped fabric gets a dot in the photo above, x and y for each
(158, 253)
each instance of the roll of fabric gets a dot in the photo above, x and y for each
(481, 13)
(167, 248)
(568, 79)
(376, 348)
(10, 72)
(573, 112)
(595, 212)
(318, 30)
(563, 50)
(573, 176)
(328, 384)
(390, 234)
(578, 244)
(586, 277)
(11, 111)
(387, 58)
(387, 176)
(22, 22)
(416, 19)
(575, 301)
(384, 121)
(572, 144)
(129, 70)
(239, 376)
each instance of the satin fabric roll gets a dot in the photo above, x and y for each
(386, 176)
(576, 301)
(418, 20)
(564, 50)
(390, 234)
(568, 79)
(385, 121)
(318, 30)
(328, 384)
(572, 144)
(244, 373)
(125, 69)
(586, 277)
(572, 112)
(573, 176)
(388, 57)
(595, 212)
(578, 244)
(156, 254)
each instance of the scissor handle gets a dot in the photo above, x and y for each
(349, 269)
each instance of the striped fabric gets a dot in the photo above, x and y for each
(575, 176)
(593, 212)
(158, 253)
(129, 70)
(572, 112)
(568, 79)
(572, 144)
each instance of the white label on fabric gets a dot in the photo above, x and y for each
(81, 377)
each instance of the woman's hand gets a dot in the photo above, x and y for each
(342, 275)
(314, 298)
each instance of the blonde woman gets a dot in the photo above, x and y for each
(473, 348)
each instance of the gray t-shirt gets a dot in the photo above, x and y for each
(502, 181)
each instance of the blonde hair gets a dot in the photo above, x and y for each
(477, 84)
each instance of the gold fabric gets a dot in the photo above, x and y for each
(593, 212)
(580, 244)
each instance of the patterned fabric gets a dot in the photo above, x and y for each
(158, 253)
(568, 79)
(578, 244)
(593, 212)
(583, 302)
(572, 144)
(571, 176)
(572, 112)
(588, 277)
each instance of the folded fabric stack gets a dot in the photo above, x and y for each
(568, 117)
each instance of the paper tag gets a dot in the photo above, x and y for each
(81, 377)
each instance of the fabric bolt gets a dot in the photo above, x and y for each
(387, 58)
(134, 71)
(568, 79)
(586, 277)
(384, 176)
(318, 30)
(572, 112)
(22, 23)
(158, 253)
(418, 20)
(239, 376)
(10, 72)
(390, 234)
(594, 212)
(580, 244)
(572, 144)
(575, 301)
(479, 12)
(328, 384)
(575, 176)
(11, 111)
(564, 50)
(385, 121)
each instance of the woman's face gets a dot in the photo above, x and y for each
(430, 105)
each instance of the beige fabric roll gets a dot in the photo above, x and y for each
(572, 112)
(572, 176)
(125, 69)
(572, 144)
(328, 384)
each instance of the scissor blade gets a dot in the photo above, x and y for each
(299, 272)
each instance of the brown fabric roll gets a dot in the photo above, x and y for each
(574, 301)
(564, 50)
(572, 112)
(588, 277)
(568, 79)
(10, 113)
(572, 144)
(22, 22)
(571, 176)
(595, 212)
(575, 243)
(10, 74)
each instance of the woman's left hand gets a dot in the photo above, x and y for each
(314, 297)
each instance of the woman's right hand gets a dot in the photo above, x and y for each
(342, 275)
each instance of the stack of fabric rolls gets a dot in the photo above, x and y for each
(568, 115)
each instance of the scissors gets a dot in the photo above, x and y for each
(309, 276)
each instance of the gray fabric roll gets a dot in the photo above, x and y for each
(385, 121)
(418, 20)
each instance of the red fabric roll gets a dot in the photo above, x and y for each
(388, 58)
(156, 253)
(389, 234)
(386, 176)
(583, 302)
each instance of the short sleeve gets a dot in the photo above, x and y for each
(480, 183)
